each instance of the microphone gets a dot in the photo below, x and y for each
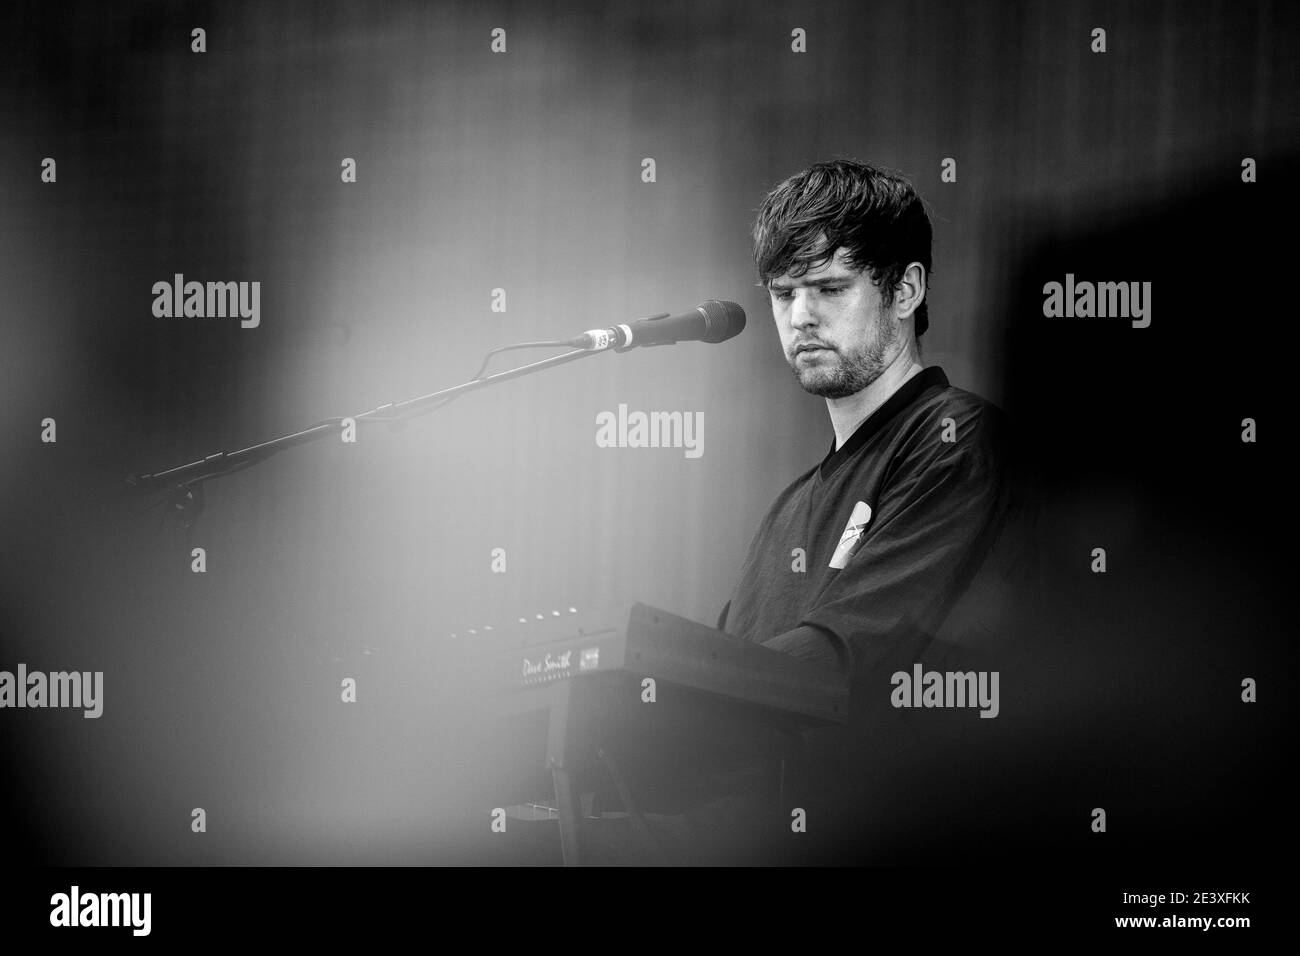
(710, 321)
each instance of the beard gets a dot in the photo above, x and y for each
(839, 373)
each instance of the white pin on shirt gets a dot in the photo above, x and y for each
(852, 535)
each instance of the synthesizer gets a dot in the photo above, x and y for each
(640, 641)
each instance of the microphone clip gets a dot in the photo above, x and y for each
(644, 345)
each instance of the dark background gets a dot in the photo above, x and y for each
(522, 171)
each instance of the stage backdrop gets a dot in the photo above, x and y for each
(411, 184)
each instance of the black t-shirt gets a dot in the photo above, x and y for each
(858, 562)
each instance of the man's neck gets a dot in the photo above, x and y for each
(848, 413)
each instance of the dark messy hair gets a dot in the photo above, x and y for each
(877, 216)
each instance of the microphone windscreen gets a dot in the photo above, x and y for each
(722, 320)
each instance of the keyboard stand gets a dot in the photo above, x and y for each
(597, 723)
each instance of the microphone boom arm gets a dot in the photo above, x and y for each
(178, 479)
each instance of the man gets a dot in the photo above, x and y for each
(858, 562)
(896, 549)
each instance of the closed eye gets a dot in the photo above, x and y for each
(783, 294)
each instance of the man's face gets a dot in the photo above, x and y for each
(836, 328)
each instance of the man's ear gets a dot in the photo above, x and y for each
(910, 291)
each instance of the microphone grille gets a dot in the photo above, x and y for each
(722, 320)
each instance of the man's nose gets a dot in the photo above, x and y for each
(802, 313)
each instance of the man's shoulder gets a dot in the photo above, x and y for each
(946, 397)
(970, 414)
(793, 487)
(948, 422)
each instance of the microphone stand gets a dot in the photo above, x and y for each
(184, 483)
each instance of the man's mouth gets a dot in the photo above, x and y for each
(803, 349)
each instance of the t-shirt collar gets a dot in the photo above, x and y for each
(906, 394)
